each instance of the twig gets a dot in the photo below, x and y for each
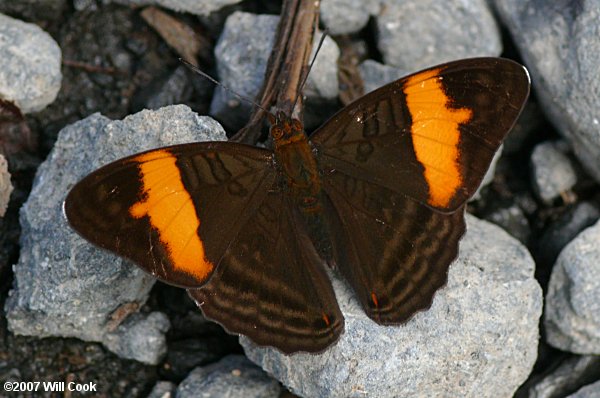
(92, 68)
(286, 67)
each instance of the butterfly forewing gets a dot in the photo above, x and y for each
(430, 136)
(173, 210)
(398, 166)
(271, 285)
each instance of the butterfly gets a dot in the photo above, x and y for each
(377, 193)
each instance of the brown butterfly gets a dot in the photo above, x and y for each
(378, 192)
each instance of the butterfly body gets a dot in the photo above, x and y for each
(296, 160)
(379, 191)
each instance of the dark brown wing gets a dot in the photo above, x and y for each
(398, 166)
(394, 251)
(174, 210)
(271, 285)
(430, 136)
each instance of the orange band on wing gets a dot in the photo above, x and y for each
(171, 211)
(435, 135)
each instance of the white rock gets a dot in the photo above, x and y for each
(560, 44)
(414, 34)
(572, 315)
(233, 376)
(30, 62)
(553, 173)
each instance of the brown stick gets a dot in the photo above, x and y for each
(93, 68)
(286, 67)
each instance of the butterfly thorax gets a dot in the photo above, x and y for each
(297, 163)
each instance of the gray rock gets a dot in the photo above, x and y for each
(567, 377)
(564, 229)
(241, 56)
(63, 285)
(590, 391)
(375, 75)
(512, 220)
(560, 44)
(414, 34)
(6, 187)
(572, 315)
(347, 16)
(175, 89)
(30, 62)
(139, 336)
(163, 389)
(323, 79)
(242, 53)
(233, 376)
(479, 339)
(204, 7)
(552, 172)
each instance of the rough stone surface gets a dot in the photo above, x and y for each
(242, 53)
(63, 285)
(6, 187)
(589, 391)
(323, 80)
(175, 89)
(572, 315)
(564, 229)
(560, 44)
(204, 7)
(163, 389)
(233, 376)
(138, 337)
(479, 339)
(553, 173)
(347, 16)
(375, 75)
(29, 65)
(567, 377)
(512, 220)
(414, 34)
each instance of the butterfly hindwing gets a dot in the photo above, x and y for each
(172, 210)
(393, 251)
(271, 285)
(430, 136)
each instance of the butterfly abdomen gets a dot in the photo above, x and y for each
(301, 182)
(296, 162)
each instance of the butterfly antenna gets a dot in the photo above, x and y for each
(323, 36)
(197, 70)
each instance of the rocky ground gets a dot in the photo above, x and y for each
(98, 80)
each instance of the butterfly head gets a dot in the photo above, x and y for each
(285, 129)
